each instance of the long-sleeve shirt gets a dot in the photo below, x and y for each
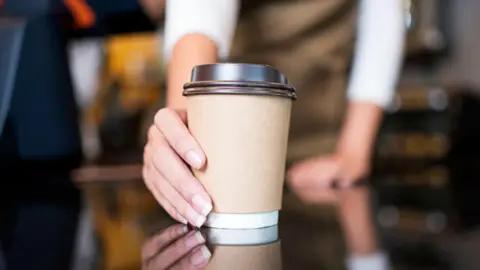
(378, 49)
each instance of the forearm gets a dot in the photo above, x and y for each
(196, 32)
(356, 140)
(359, 130)
(189, 51)
(376, 68)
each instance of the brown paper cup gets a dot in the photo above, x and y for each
(243, 129)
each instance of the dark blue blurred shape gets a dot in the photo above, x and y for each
(11, 35)
(102, 7)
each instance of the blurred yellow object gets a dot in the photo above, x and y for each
(131, 81)
(128, 52)
(133, 60)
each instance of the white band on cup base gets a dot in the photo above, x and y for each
(229, 237)
(242, 221)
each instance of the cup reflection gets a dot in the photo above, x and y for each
(244, 249)
(179, 247)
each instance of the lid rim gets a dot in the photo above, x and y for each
(256, 84)
(236, 78)
(242, 91)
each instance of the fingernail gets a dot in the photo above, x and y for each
(194, 240)
(201, 256)
(201, 204)
(200, 221)
(196, 219)
(194, 159)
(182, 219)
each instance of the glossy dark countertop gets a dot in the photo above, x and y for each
(419, 226)
(300, 243)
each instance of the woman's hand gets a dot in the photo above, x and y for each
(170, 145)
(313, 179)
(175, 248)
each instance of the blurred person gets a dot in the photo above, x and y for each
(39, 145)
(310, 42)
(85, 62)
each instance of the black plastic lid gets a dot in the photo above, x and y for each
(233, 78)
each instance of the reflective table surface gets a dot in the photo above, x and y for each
(416, 227)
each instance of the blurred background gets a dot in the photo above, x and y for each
(425, 177)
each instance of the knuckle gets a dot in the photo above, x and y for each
(162, 115)
(151, 132)
(154, 136)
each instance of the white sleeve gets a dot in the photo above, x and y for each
(217, 19)
(378, 51)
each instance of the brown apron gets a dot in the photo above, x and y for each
(310, 41)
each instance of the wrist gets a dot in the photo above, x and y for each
(189, 51)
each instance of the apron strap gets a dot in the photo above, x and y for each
(82, 13)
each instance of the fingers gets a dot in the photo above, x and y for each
(173, 127)
(151, 177)
(162, 240)
(313, 180)
(179, 186)
(197, 259)
(171, 200)
(326, 173)
(174, 181)
(319, 172)
(346, 182)
(180, 205)
(352, 177)
(176, 251)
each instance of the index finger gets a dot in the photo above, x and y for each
(175, 131)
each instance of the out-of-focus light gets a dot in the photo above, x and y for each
(408, 14)
(436, 222)
(388, 216)
(438, 99)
